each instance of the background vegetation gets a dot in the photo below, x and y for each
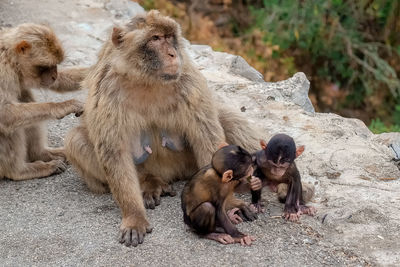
(350, 50)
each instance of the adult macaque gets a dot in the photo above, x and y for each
(276, 168)
(29, 55)
(144, 82)
(205, 196)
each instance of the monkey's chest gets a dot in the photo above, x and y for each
(162, 152)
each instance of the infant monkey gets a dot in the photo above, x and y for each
(275, 166)
(205, 196)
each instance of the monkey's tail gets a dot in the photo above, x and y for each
(238, 130)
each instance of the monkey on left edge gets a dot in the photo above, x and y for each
(29, 54)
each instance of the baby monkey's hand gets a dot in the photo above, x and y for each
(255, 183)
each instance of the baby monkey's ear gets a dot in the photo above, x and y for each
(227, 176)
(263, 144)
(299, 150)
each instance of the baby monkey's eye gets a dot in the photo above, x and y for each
(155, 37)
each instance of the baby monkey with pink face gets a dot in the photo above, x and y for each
(275, 167)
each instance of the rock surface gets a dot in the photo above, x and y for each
(57, 221)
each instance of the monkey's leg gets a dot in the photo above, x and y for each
(226, 224)
(36, 145)
(37, 169)
(80, 153)
(203, 221)
(69, 79)
(238, 129)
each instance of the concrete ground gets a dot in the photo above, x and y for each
(56, 221)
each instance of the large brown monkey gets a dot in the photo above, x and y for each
(144, 84)
(29, 55)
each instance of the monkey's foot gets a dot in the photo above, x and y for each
(245, 240)
(58, 166)
(307, 210)
(292, 216)
(221, 238)
(132, 231)
(168, 190)
(151, 199)
(56, 153)
(234, 216)
(257, 208)
(247, 214)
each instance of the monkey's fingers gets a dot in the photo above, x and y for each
(235, 218)
(149, 229)
(293, 217)
(247, 240)
(168, 190)
(310, 211)
(149, 202)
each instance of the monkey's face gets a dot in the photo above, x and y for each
(38, 57)
(278, 168)
(161, 56)
(46, 74)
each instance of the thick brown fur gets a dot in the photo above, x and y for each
(29, 55)
(128, 94)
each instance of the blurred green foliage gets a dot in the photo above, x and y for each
(349, 43)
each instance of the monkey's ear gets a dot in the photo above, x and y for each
(263, 144)
(299, 150)
(22, 47)
(227, 176)
(223, 144)
(117, 35)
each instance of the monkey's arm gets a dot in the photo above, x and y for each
(69, 79)
(17, 115)
(293, 198)
(114, 156)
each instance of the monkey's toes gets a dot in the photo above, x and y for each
(59, 166)
(151, 200)
(168, 191)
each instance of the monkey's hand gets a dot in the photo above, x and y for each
(65, 108)
(255, 183)
(234, 216)
(133, 229)
(221, 238)
(307, 210)
(245, 240)
(247, 214)
(257, 207)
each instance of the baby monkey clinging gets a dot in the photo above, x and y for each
(205, 196)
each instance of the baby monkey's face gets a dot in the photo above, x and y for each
(248, 174)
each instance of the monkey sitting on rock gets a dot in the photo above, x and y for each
(205, 197)
(275, 167)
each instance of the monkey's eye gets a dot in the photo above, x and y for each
(155, 38)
